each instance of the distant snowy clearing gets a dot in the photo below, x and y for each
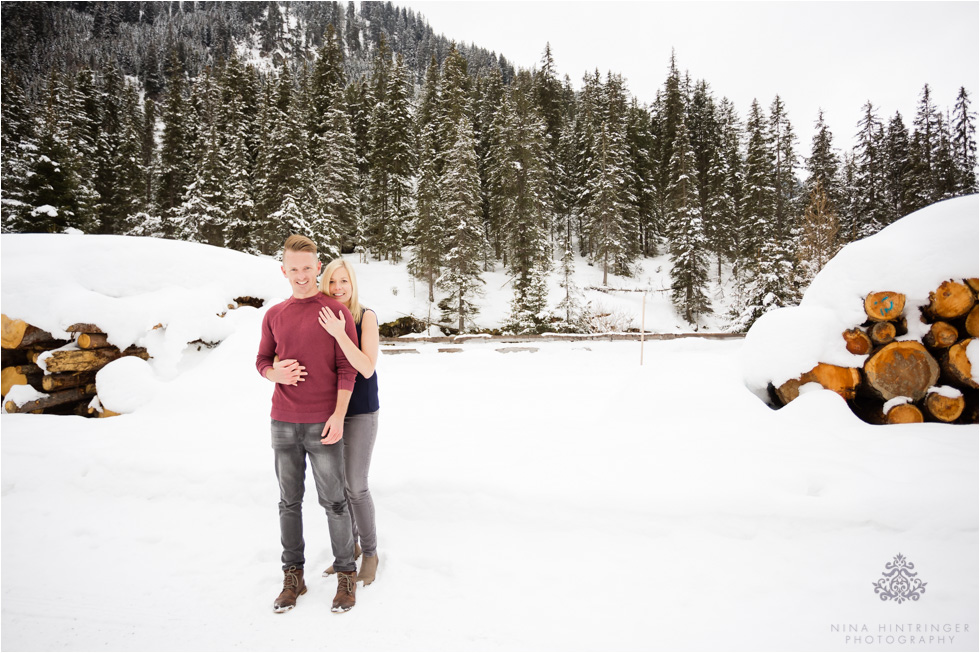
(565, 499)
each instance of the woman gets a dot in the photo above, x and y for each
(361, 425)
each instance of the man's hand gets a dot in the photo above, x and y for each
(333, 430)
(287, 372)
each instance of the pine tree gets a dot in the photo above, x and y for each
(428, 228)
(785, 185)
(688, 245)
(174, 172)
(459, 203)
(823, 166)
(18, 143)
(897, 165)
(964, 144)
(870, 173)
(818, 237)
(392, 159)
(520, 176)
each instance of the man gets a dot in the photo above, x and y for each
(313, 387)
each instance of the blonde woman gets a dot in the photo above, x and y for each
(361, 424)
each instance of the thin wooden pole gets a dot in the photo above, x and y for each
(643, 326)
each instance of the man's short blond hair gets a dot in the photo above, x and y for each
(297, 243)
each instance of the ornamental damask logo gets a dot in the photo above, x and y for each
(899, 583)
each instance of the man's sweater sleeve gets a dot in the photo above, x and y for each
(346, 374)
(267, 347)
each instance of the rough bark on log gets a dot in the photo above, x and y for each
(84, 327)
(18, 334)
(941, 335)
(92, 340)
(884, 306)
(84, 360)
(952, 299)
(971, 323)
(942, 408)
(882, 332)
(857, 341)
(902, 369)
(52, 382)
(20, 375)
(842, 380)
(54, 399)
(904, 414)
(957, 365)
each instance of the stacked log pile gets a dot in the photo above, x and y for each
(906, 380)
(67, 379)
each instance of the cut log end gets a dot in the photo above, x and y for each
(883, 332)
(941, 335)
(971, 322)
(857, 342)
(902, 369)
(944, 409)
(951, 300)
(956, 364)
(904, 414)
(884, 306)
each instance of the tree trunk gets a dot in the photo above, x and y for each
(951, 300)
(902, 369)
(857, 341)
(884, 306)
(53, 399)
(51, 382)
(84, 360)
(842, 380)
(18, 334)
(92, 340)
(944, 409)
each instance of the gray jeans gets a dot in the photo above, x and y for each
(292, 443)
(360, 432)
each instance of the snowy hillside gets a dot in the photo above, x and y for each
(562, 499)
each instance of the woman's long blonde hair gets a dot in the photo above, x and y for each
(355, 308)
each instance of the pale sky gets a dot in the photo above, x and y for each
(830, 55)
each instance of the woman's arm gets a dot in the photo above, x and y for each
(365, 358)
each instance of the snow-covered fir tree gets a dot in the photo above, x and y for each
(688, 245)
(465, 240)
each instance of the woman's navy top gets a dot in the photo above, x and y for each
(364, 399)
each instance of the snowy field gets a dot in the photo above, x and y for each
(563, 499)
(567, 499)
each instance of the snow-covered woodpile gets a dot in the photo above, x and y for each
(906, 380)
(58, 375)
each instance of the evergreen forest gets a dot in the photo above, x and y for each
(237, 123)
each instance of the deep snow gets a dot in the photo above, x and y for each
(565, 499)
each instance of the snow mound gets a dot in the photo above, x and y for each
(126, 384)
(912, 256)
(127, 286)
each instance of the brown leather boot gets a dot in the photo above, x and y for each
(346, 585)
(292, 586)
(357, 554)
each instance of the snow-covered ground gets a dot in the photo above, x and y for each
(563, 499)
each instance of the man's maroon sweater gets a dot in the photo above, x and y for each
(291, 330)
